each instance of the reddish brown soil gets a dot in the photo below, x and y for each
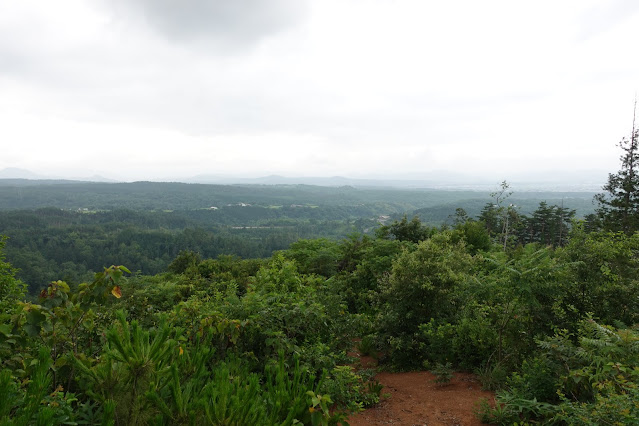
(415, 399)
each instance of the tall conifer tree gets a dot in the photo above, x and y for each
(618, 207)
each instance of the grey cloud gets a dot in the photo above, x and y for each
(227, 22)
(12, 61)
(13, 56)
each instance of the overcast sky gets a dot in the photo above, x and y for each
(153, 89)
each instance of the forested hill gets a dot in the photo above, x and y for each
(33, 194)
(72, 229)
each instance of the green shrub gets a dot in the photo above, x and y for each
(538, 378)
(492, 376)
(350, 390)
(366, 347)
(443, 373)
(420, 288)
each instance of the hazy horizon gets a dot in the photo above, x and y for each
(584, 181)
(395, 90)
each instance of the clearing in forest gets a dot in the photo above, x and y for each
(415, 399)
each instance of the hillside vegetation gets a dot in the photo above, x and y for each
(541, 306)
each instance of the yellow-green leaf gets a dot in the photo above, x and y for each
(116, 291)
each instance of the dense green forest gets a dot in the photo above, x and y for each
(47, 244)
(541, 305)
(70, 230)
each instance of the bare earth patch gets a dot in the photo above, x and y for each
(415, 399)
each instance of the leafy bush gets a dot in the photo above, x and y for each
(595, 379)
(418, 289)
(349, 390)
(538, 378)
(512, 409)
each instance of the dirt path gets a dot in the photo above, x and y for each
(415, 399)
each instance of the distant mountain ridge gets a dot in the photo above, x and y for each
(304, 180)
(560, 181)
(14, 173)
